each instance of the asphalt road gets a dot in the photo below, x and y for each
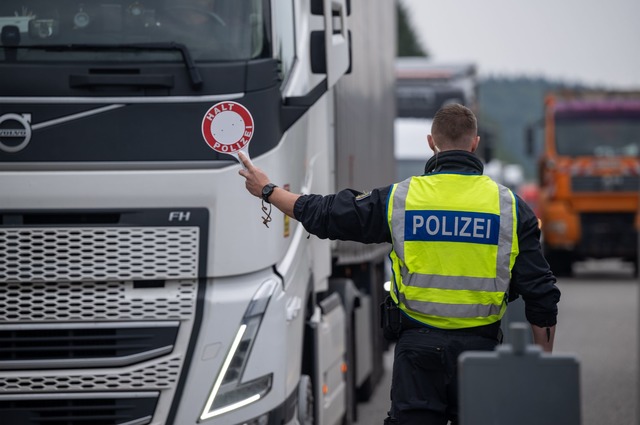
(598, 323)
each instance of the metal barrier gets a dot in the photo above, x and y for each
(518, 384)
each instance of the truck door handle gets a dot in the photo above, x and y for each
(152, 80)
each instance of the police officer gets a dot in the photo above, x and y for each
(462, 247)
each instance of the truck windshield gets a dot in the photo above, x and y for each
(211, 30)
(611, 136)
(415, 101)
(419, 99)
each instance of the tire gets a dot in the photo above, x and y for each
(305, 401)
(365, 391)
(560, 261)
(351, 411)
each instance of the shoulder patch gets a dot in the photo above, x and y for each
(363, 196)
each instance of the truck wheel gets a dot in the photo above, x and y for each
(305, 401)
(561, 262)
(365, 391)
(351, 412)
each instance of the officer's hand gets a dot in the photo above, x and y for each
(256, 178)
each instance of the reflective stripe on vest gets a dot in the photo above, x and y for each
(454, 241)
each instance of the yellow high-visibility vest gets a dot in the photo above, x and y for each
(454, 245)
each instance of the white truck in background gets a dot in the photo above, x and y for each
(138, 283)
(423, 87)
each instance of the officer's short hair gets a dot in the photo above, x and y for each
(454, 125)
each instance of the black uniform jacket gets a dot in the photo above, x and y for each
(351, 215)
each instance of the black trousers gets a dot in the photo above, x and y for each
(424, 386)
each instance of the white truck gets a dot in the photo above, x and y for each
(423, 87)
(138, 284)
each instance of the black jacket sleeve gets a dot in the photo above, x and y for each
(348, 215)
(531, 276)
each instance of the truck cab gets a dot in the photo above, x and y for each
(589, 174)
(140, 283)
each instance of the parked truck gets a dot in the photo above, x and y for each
(139, 283)
(589, 174)
(422, 87)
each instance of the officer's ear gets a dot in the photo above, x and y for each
(474, 144)
(432, 144)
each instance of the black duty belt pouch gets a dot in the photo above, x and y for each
(391, 319)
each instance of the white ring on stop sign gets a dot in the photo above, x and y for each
(227, 127)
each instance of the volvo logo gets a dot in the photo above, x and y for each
(15, 132)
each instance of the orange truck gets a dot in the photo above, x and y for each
(589, 175)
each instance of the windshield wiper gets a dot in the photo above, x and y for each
(194, 74)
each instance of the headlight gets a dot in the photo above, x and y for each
(558, 227)
(228, 393)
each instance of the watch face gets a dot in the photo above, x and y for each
(267, 190)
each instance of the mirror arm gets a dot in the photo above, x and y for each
(294, 107)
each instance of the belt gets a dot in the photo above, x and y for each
(492, 330)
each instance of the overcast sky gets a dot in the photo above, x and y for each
(594, 42)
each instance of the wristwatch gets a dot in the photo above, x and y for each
(267, 190)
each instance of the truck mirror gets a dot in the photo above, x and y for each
(486, 144)
(487, 152)
(528, 140)
(330, 48)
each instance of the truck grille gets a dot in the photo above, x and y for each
(607, 235)
(69, 409)
(76, 346)
(605, 183)
(72, 254)
(155, 375)
(96, 320)
(92, 301)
